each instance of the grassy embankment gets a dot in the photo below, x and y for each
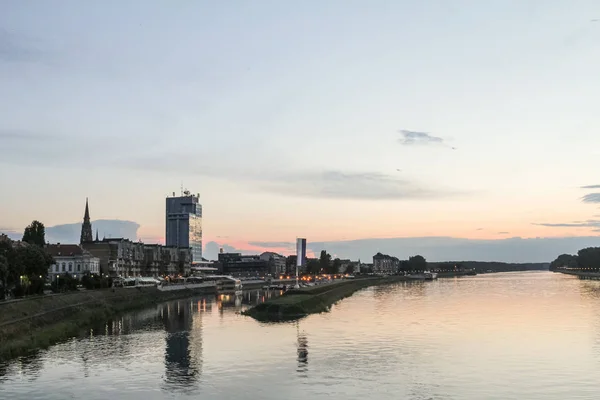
(42, 321)
(295, 304)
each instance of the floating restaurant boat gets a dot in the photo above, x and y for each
(424, 276)
(229, 285)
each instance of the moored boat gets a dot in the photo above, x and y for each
(425, 276)
(229, 285)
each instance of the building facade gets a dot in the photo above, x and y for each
(71, 259)
(301, 253)
(240, 265)
(124, 258)
(384, 264)
(183, 224)
(276, 262)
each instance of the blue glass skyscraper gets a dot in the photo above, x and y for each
(183, 223)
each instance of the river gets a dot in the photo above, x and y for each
(531, 335)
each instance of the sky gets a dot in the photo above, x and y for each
(338, 121)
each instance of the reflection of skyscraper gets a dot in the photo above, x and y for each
(184, 223)
(302, 350)
(182, 368)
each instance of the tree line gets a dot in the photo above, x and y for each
(24, 266)
(587, 259)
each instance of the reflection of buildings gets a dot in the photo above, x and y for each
(182, 365)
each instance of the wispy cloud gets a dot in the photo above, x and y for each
(416, 137)
(350, 185)
(575, 224)
(22, 146)
(16, 48)
(590, 187)
(326, 184)
(503, 233)
(591, 198)
(273, 244)
(13, 135)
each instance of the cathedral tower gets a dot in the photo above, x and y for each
(86, 227)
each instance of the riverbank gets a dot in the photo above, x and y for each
(41, 321)
(453, 274)
(581, 274)
(296, 304)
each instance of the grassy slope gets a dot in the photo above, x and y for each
(41, 322)
(298, 303)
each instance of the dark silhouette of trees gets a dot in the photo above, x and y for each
(350, 269)
(417, 263)
(564, 261)
(35, 234)
(324, 261)
(586, 259)
(335, 266)
(24, 266)
(313, 266)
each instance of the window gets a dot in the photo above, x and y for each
(70, 267)
(64, 266)
(78, 267)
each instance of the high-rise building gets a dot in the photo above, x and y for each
(86, 226)
(183, 224)
(301, 253)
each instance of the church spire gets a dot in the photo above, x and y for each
(86, 227)
(86, 216)
(96, 234)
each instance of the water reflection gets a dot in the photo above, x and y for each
(493, 337)
(182, 364)
(302, 351)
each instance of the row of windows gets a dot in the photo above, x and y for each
(64, 267)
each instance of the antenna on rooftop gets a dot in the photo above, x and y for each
(182, 188)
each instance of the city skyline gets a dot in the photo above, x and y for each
(340, 122)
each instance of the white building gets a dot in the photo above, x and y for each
(71, 259)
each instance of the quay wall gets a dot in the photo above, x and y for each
(40, 321)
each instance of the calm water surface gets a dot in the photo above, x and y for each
(533, 335)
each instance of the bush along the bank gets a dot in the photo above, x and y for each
(64, 283)
(94, 281)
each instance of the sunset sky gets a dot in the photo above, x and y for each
(330, 120)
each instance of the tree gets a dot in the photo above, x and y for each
(350, 269)
(564, 260)
(312, 266)
(589, 258)
(324, 261)
(35, 234)
(3, 275)
(335, 266)
(31, 261)
(417, 263)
